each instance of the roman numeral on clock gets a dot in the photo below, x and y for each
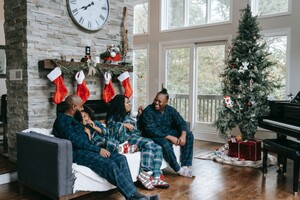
(102, 17)
(81, 20)
(73, 1)
(75, 11)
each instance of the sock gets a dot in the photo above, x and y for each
(61, 91)
(82, 89)
(109, 91)
(124, 79)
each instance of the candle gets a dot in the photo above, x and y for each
(97, 59)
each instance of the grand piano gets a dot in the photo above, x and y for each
(284, 120)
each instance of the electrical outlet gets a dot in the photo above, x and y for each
(15, 74)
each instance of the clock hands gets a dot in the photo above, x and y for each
(86, 7)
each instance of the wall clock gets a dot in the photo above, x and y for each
(90, 15)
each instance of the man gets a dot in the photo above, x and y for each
(165, 126)
(111, 166)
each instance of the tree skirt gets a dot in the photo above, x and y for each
(221, 155)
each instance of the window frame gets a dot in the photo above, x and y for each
(137, 2)
(254, 10)
(281, 32)
(134, 81)
(163, 17)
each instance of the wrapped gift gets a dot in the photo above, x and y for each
(245, 150)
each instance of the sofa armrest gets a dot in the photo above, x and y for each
(45, 164)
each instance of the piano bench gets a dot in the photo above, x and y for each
(284, 149)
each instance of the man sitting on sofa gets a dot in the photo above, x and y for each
(111, 166)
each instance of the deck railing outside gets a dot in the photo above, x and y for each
(207, 105)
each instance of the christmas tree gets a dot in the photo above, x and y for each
(246, 80)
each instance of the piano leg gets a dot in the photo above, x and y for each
(282, 160)
(265, 160)
(296, 177)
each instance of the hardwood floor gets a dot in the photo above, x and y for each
(214, 181)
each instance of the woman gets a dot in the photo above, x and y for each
(124, 128)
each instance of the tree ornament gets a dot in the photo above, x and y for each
(241, 70)
(251, 85)
(82, 89)
(124, 79)
(61, 91)
(228, 102)
(109, 91)
(245, 65)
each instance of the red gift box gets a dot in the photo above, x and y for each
(250, 150)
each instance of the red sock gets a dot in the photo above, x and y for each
(82, 89)
(61, 91)
(124, 79)
(109, 91)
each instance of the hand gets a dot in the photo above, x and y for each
(128, 126)
(182, 138)
(104, 153)
(140, 110)
(91, 124)
(86, 7)
(173, 139)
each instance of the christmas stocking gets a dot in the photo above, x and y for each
(61, 90)
(82, 90)
(109, 91)
(124, 79)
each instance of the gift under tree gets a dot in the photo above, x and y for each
(246, 80)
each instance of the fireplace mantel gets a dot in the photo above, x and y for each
(69, 67)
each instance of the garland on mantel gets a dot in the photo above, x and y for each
(70, 68)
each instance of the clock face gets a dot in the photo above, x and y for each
(89, 14)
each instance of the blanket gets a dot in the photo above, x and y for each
(221, 155)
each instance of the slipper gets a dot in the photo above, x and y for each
(158, 183)
(144, 179)
(185, 171)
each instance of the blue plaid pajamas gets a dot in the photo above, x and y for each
(114, 169)
(157, 126)
(151, 153)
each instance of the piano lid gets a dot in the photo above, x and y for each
(285, 112)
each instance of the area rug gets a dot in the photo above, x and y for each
(221, 155)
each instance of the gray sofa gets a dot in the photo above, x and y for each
(45, 165)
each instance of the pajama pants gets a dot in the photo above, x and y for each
(114, 169)
(186, 151)
(151, 154)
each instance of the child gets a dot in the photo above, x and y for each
(124, 129)
(97, 133)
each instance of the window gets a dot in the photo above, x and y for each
(140, 78)
(140, 18)
(270, 7)
(185, 13)
(278, 54)
(178, 78)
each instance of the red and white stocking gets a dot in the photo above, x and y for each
(82, 90)
(124, 79)
(61, 91)
(109, 91)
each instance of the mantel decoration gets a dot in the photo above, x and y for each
(246, 80)
(71, 68)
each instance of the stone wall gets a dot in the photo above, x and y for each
(41, 29)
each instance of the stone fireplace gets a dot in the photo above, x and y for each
(41, 29)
